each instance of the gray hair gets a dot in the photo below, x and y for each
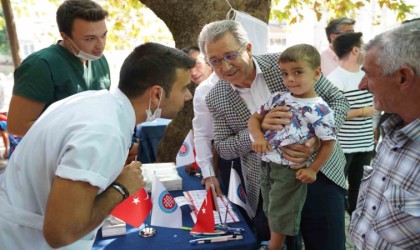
(398, 47)
(215, 30)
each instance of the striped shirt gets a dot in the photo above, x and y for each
(356, 134)
(387, 215)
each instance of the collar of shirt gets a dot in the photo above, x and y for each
(257, 94)
(394, 122)
(126, 106)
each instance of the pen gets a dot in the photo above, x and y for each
(216, 239)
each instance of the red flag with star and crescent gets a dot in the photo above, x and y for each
(135, 209)
(205, 216)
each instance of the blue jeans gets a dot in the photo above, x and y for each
(322, 222)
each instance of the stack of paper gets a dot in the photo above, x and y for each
(166, 172)
(113, 227)
(196, 198)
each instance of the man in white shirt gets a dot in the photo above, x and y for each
(67, 174)
(329, 60)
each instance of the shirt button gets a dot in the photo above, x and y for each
(383, 178)
(363, 236)
(374, 207)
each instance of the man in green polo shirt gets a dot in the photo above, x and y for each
(73, 65)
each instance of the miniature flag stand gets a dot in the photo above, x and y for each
(206, 231)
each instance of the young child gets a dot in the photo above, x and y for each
(282, 186)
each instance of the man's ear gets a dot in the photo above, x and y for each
(155, 93)
(406, 77)
(64, 35)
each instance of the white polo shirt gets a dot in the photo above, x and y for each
(85, 137)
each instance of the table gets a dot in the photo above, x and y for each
(169, 238)
(150, 134)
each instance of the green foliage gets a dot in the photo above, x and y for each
(4, 40)
(332, 8)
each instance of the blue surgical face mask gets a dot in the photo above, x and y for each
(150, 117)
(83, 55)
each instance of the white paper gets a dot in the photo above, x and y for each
(196, 197)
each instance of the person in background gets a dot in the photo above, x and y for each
(60, 197)
(202, 69)
(74, 64)
(387, 212)
(179, 127)
(329, 60)
(247, 81)
(283, 183)
(356, 135)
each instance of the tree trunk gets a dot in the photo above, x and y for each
(11, 31)
(185, 19)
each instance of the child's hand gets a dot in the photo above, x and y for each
(260, 146)
(306, 175)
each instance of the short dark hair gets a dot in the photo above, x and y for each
(345, 42)
(301, 53)
(84, 9)
(334, 25)
(190, 49)
(152, 64)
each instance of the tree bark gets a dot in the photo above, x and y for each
(186, 18)
(11, 31)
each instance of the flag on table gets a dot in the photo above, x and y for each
(205, 216)
(135, 209)
(236, 193)
(165, 211)
(185, 154)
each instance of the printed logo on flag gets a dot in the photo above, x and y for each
(167, 203)
(241, 193)
(185, 148)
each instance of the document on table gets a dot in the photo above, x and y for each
(196, 198)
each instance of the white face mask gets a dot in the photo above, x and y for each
(156, 115)
(83, 55)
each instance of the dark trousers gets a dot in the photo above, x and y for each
(322, 223)
(354, 173)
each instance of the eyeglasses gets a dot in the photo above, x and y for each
(229, 57)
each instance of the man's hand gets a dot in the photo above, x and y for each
(131, 177)
(276, 118)
(300, 154)
(212, 180)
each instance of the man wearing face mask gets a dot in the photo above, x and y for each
(73, 65)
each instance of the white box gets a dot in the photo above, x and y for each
(166, 172)
(113, 227)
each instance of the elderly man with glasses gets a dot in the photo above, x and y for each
(246, 82)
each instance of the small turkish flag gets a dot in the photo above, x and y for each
(205, 216)
(135, 209)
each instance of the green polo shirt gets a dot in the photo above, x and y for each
(54, 73)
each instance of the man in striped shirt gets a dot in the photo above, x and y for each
(356, 134)
(387, 214)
